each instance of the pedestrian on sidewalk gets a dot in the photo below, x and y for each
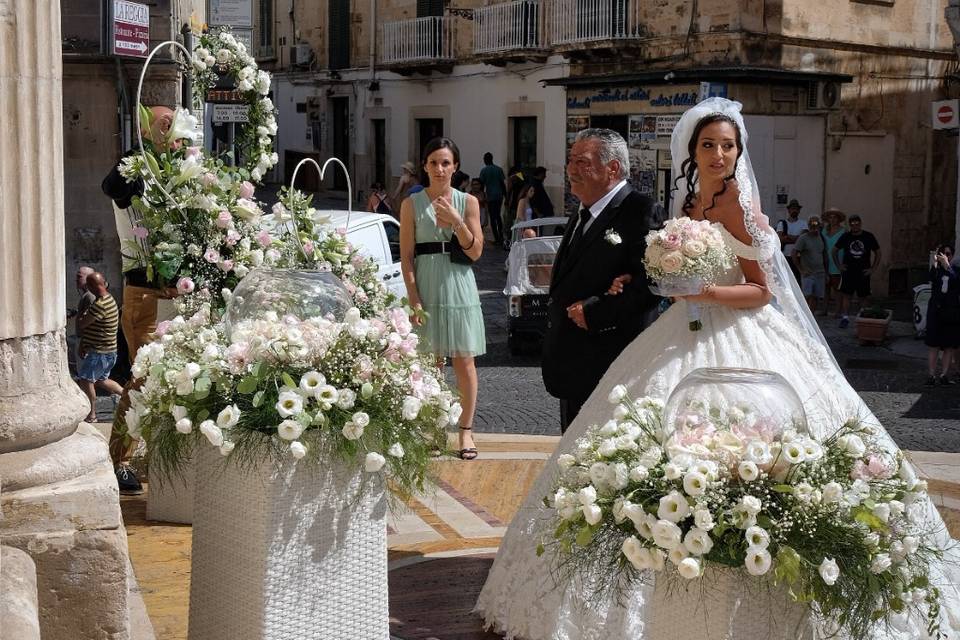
(861, 255)
(407, 180)
(810, 256)
(98, 343)
(476, 190)
(943, 315)
(378, 201)
(494, 185)
(833, 220)
(789, 229)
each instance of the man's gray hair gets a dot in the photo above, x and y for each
(612, 147)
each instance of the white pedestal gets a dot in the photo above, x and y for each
(288, 554)
(726, 604)
(170, 498)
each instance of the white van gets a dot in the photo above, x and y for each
(376, 235)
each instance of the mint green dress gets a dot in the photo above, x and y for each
(448, 291)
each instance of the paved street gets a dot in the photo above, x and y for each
(890, 378)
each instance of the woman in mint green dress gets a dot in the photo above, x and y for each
(446, 291)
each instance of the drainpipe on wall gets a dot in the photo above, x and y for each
(373, 40)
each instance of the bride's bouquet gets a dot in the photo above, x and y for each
(684, 257)
(838, 523)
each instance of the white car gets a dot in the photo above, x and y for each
(373, 234)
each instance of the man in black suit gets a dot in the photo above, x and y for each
(588, 329)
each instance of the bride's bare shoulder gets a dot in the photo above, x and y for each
(731, 213)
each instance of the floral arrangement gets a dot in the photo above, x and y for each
(218, 52)
(837, 523)
(286, 387)
(683, 257)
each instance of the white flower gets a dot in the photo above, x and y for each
(911, 544)
(411, 408)
(673, 507)
(327, 395)
(757, 537)
(226, 448)
(352, 431)
(812, 449)
(803, 492)
(666, 534)
(184, 425)
(566, 461)
(758, 452)
(882, 511)
(346, 398)
(374, 462)
(672, 471)
(832, 492)
(829, 571)
(298, 449)
(609, 428)
(455, 412)
(587, 495)
(852, 445)
(617, 475)
(289, 429)
(228, 417)
(290, 403)
(636, 553)
(881, 562)
(396, 450)
(617, 394)
(178, 412)
(639, 473)
(698, 542)
(793, 452)
(751, 504)
(677, 554)
(694, 483)
(748, 471)
(592, 513)
(361, 419)
(224, 56)
(311, 381)
(703, 519)
(621, 411)
(758, 561)
(689, 568)
(612, 237)
(212, 432)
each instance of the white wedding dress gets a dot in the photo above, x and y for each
(521, 598)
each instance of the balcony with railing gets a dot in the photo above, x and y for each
(510, 31)
(418, 43)
(583, 24)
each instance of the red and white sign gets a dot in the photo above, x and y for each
(131, 29)
(946, 115)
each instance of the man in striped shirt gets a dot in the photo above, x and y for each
(98, 343)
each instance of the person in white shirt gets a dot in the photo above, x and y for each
(789, 229)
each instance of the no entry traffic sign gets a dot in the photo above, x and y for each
(131, 28)
(945, 114)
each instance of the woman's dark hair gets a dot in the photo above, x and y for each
(440, 143)
(688, 169)
(945, 246)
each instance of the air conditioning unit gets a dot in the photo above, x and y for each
(301, 54)
(823, 96)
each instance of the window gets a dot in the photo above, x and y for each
(339, 39)
(369, 241)
(524, 131)
(393, 239)
(341, 138)
(265, 26)
(429, 8)
(427, 130)
(380, 151)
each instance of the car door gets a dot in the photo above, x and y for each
(371, 240)
(391, 230)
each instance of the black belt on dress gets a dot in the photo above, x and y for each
(426, 248)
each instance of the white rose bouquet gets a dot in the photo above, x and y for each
(683, 257)
(836, 523)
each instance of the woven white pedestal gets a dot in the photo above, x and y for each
(288, 555)
(725, 605)
(170, 498)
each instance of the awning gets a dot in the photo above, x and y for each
(739, 74)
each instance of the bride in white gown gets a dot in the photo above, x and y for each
(754, 317)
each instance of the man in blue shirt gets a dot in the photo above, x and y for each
(494, 185)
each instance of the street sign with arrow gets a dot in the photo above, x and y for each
(131, 29)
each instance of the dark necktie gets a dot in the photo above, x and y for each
(578, 232)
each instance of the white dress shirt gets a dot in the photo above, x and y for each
(597, 207)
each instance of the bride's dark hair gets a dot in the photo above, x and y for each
(688, 169)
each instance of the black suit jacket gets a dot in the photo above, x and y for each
(574, 360)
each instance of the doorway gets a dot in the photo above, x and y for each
(379, 150)
(523, 132)
(341, 138)
(427, 130)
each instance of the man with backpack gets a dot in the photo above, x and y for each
(377, 202)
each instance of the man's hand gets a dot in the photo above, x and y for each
(575, 313)
(616, 287)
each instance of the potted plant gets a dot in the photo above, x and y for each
(872, 324)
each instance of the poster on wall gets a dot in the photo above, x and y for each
(665, 124)
(648, 130)
(664, 159)
(636, 124)
(576, 124)
(643, 170)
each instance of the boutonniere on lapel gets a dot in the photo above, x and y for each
(612, 237)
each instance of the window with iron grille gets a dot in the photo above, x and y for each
(339, 26)
(265, 25)
(430, 8)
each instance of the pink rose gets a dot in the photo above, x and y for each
(208, 179)
(672, 262)
(141, 232)
(878, 468)
(342, 231)
(308, 247)
(163, 327)
(672, 241)
(224, 220)
(264, 238)
(193, 152)
(185, 285)
(232, 237)
(361, 296)
(226, 266)
(246, 190)
(860, 471)
(212, 255)
(400, 321)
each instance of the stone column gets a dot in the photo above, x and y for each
(60, 501)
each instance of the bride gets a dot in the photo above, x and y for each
(754, 317)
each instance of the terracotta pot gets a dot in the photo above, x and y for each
(873, 330)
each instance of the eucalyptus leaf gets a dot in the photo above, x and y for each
(257, 399)
(247, 385)
(287, 380)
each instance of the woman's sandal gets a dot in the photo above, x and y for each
(468, 453)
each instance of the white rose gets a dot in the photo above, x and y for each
(673, 507)
(757, 537)
(352, 431)
(881, 562)
(212, 432)
(672, 471)
(455, 412)
(374, 462)
(607, 448)
(693, 248)
(290, 403)
(361, 419)
(853, 445)
(666, 534)
(758, 452)
(289, 429)
(228, 417)
(832, 492)
(636, 553)
(566, 461)
(298, 449)
(184, 425)
(689, 568)
(671, 262)
(678, 554)
(751, 505)
(748, 471)
(882, 511)
(396, 450)
(226, 448)
(587, 495)
(698, 541)
(621, 411)
(639, 473)
(411, 408)
(178, 412)
(617, 394)
(703, 519)
(224, 56)
(911, 544)
(758, 561)
(829, 571)
(592, 513)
